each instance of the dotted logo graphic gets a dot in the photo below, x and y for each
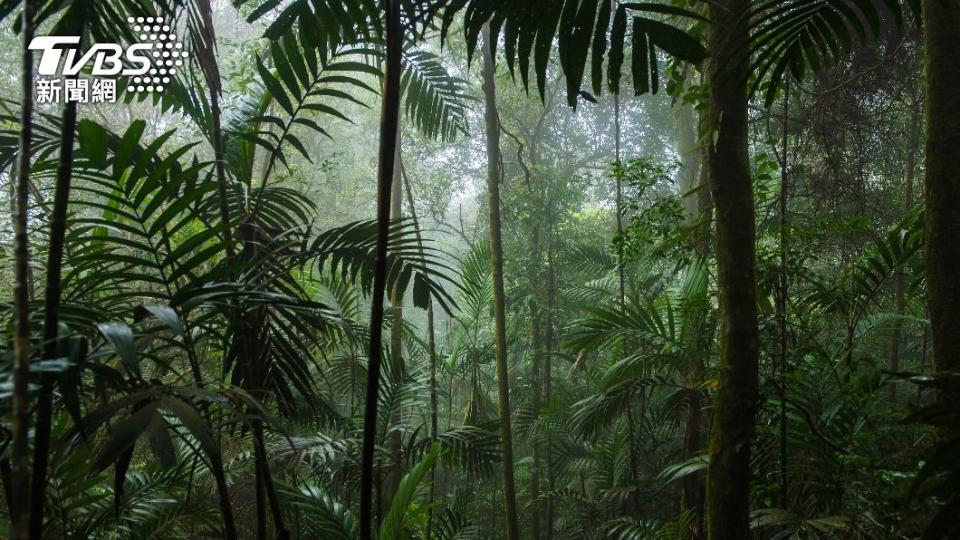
(167, 53)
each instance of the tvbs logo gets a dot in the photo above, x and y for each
(148, 64)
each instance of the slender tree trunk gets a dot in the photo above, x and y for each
(20, 470)
(211, 72)
(900, 284)
(208, 62)
(263, 474)
(621, 272)
(689, 151)
(694, 483)
(396, 344)
(389, 127)
(735, 406)
(492, 119)
(782, 296)
(549, 347)
(51, 320)
(52, 296)
(941, 20)
(690, 185)
(431, 347)
(223, 497)
(536, 338)
(622, 280)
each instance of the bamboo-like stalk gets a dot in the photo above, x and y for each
(389, 127)
(492, 122)
(20, 466)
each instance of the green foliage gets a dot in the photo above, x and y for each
(581, 29)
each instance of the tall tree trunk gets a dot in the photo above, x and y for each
(689, 150)
(691, 186)
(536, 338)
(782, 296)
(395, 473)
(622, 281)
(264, 476)
(431, 345)
(621, 272)
(389, 127)
(206, 50)
(900, 284)
(208, 62)
(549, 348)
(492, 121)
(20, 470)
(51, 318)
(735, 406)
(941, 20)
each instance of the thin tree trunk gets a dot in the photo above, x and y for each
(20, 470)
(51, 320)
(735, 406)
(389, 127)
(52, 296)
(396, 344)
(492, 119)
(431, 347)
(208, 62)
(548, 358)
(536, 338)
(691, 186)
(223, 497)
(622, 280)
(263, 474)
(621, 273)
(211, 72)
(782, 296)
(689, 151)
(900, 284)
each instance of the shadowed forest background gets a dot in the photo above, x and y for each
(675, 270)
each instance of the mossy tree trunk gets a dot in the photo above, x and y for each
(941, 22)
(735, 405)
(492, 123)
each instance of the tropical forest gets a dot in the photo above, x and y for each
(480, 269)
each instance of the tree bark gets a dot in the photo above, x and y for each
(389, 127)
(735, 406)
(941, 20)
(492, 121)
(20, 470)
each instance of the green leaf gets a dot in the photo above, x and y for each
(395, 525)
(93, 142)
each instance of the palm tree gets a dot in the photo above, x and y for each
(492, 123)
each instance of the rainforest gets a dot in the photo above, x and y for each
(480, 269)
